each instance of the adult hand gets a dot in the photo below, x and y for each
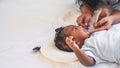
(105, 12)
(84, 19)
(104, 20)
(103, 24)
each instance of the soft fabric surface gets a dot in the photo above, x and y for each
(104, 45)
(25, 24)
(50, 51)
(48, 48)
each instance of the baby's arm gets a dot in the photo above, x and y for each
(86, 9)
(82, 57)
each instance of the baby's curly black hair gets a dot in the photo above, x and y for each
(59, 40)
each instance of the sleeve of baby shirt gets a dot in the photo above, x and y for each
(91, 53)
(95, 58)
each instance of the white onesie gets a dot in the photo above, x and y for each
(104, 46)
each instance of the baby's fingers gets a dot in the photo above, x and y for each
(69, 40)
(70, 37)
(71, 43)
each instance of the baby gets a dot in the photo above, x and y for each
(101, 46)
(71, 30)
(72, 38)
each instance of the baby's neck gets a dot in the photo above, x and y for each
(82, 43)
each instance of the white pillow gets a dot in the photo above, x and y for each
(50, 51)
(69, 18)
(48, 48)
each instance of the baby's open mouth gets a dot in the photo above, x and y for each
(85, 30)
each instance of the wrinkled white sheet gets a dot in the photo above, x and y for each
(24, 24)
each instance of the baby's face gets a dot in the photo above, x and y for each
(78, 32)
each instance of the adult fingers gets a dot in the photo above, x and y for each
(99, 29)
(86, 23)
(100, 23)
(95, 25)
(80, 20)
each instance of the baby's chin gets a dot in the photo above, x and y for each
(88, 34)
(86, 30)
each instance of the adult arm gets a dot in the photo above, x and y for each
(86, 14)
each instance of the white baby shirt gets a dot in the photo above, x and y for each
(104, 46)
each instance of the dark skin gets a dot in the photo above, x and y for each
(78, 34)
(104, 23)
(105, 19)
(85, 17)
(82, 57)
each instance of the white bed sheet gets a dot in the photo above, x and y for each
(23, 25)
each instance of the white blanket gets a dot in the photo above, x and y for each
(59, 56)
(24, 24)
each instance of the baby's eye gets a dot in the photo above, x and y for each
(76, 28)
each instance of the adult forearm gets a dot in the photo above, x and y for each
(83, 58)
(116, 16)
(85, 9)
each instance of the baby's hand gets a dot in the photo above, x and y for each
(71, 43)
